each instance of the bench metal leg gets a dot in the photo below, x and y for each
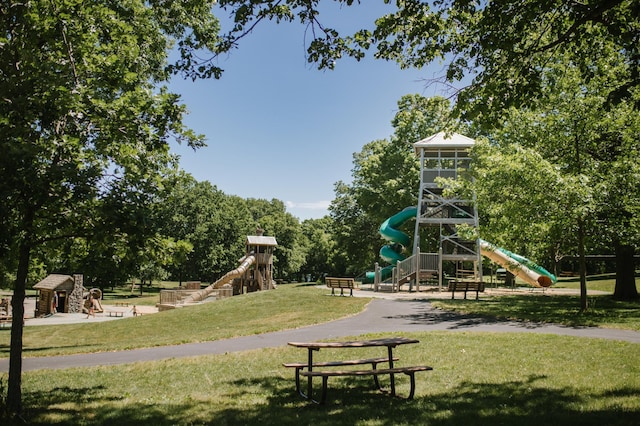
(325, 380)
(392, 377)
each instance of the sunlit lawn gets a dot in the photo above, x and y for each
(289, 306)
(478, 379)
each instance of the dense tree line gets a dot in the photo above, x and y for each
(191, 231)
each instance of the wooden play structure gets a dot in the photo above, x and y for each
(59, 293)
(260, 276)
(5, 310)
(255, 273)
(452, 259)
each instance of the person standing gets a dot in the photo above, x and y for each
(91, 309)
(54, 303)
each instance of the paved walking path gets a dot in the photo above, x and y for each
(382, 315)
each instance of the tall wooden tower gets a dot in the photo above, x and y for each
(447, 156)
(260, 275)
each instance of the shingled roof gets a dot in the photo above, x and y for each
(53, 281)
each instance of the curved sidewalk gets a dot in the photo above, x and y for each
(381, 316)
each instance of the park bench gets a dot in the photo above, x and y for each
(341, 283)
(410, 371)
(464, 285)
(116, 313)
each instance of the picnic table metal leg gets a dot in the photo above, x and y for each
(412, 376)
(298, 389)
(310, 379)
(324, 389)
(391, 376)
(375, 376)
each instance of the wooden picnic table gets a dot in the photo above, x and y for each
(390, 343)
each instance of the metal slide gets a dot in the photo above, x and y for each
(199, 296)
(519, 266)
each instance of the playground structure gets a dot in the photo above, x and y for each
(254, 273)
(519, 266)
(59, 293)
(93, 297)
(443, 156)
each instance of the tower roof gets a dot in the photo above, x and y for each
(260, 240)
(442, 140)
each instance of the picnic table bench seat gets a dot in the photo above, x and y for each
(341, 283)
(301, 365)
(409, 370)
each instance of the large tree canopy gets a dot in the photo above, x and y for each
(505, 45)
(85, 123)
(497, 48)
(588, 199)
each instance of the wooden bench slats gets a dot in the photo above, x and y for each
(465, 286)
(300, 365)
(341, 283)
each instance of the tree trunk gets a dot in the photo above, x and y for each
(14, 387)
(625, 273)
(582, 262)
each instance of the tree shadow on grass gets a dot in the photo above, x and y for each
(94, 406)
(529, 312)
(31, 351)
(350, 401)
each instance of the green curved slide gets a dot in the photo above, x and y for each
(392, 253)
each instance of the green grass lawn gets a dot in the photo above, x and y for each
(478, 378)
(290, 306)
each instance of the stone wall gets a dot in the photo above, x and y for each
(75, 298)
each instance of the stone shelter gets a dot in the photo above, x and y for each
(59, 293)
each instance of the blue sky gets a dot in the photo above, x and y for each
(277, 127)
